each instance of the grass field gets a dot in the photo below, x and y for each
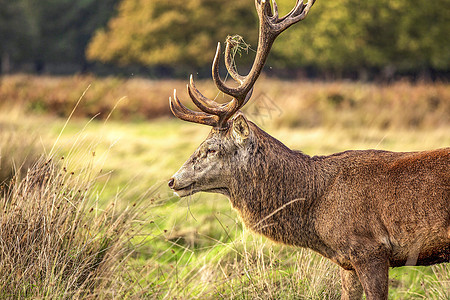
(196, 247)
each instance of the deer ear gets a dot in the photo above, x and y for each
(240, 130)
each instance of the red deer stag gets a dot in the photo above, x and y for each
(364, 210)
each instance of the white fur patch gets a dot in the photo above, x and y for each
(385, 241)
(237, 137)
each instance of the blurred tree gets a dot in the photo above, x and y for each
(360, 35)
(15, 32)
(65, 28)
(337, 36)
(348, 34)
(50, 31)
(424, 35)
(174, 32)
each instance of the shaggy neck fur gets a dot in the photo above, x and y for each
(275, 192)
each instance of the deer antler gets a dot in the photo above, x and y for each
(215, 114)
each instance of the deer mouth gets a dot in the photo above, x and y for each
(185, 191)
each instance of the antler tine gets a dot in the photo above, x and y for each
(207, 105)
(306, 9)
(275, 11)
(297, 14)
(183, 113)
(298, 6)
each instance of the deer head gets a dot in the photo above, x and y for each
(231, 141)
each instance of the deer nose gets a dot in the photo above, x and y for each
(171, 182)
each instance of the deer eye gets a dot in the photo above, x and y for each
(210, 151)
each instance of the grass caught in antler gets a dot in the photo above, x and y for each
(239, 45)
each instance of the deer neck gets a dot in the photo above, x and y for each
(275, 193)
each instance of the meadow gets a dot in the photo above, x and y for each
(94, 217)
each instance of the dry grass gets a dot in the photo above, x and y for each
(57, 242)
(261, 270)
(400, 105)
(19, 149)
(142, 99)
(289, 103)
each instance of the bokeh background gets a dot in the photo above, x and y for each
(340, 39)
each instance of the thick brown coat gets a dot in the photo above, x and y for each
(365, 210)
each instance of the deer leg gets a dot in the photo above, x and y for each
(351, 287)
(373, 274)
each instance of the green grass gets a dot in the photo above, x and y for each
(199, 240)
(197, 247)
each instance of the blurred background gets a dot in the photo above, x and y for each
(368, 40)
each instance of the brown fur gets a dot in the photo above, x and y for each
(365, 210)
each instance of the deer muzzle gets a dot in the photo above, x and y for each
(180, 188)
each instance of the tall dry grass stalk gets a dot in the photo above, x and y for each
(19, 149)
(439, 287)
(56, 243)
(246, 268)
(56, 240)
(265, 271)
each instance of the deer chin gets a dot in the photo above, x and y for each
(190, 190)
(185, 191)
